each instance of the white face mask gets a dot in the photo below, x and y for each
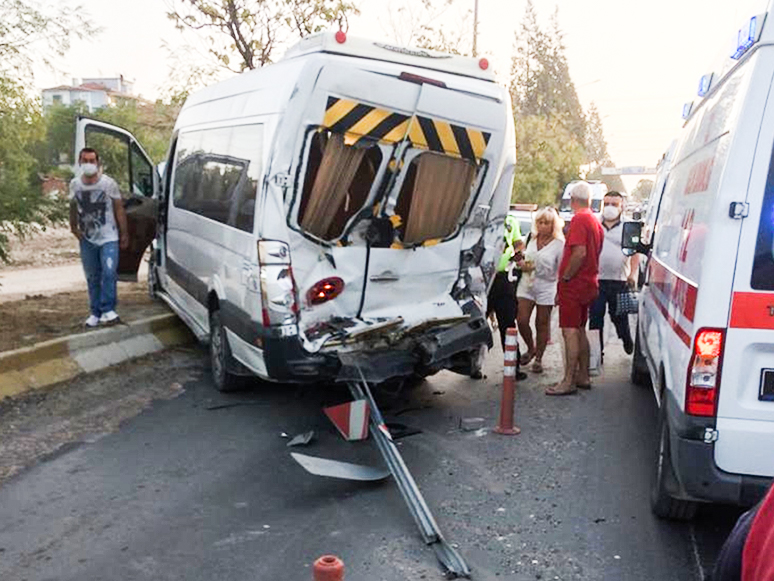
(611, 213)
(89, 169)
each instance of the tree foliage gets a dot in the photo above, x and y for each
(540, 75)
(550, 123)
(29, 33)
(439, 25)
(245, 34)
(596, 145)
(548, 156)
(642, 190)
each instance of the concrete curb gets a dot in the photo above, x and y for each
(62, 359)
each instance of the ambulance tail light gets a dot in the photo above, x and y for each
(278, 288)
(703, 381)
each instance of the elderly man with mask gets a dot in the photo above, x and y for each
(617, 274)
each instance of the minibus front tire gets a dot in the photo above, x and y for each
(662, 503)
(220, 356)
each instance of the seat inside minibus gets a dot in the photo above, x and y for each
(338, 180)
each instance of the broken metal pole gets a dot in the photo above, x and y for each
(452, 562)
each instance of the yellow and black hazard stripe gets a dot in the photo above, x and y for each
(359, 121)
(356, 121)
(448, 138)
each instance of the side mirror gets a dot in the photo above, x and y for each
(637, 216)
(631, 239)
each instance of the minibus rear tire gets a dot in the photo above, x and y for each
(220, 356)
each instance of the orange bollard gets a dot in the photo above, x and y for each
(328, 568)
(505, 425)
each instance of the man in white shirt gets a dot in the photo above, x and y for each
(98, 221)
(617, 274)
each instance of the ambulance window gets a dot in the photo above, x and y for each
(338, 180)
(433, 196)
(763, 262)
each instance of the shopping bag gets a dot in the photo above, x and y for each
(627, 303)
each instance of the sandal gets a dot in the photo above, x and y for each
(526, 358)
(583, 385)
(554, 390)
(537, 367)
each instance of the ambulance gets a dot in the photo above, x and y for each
(335, 215)
(598, 191)
(705, 333)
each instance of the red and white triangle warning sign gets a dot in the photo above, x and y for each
(351, 419)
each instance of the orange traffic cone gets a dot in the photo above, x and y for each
(328, 568)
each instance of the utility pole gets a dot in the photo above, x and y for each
(475, 26)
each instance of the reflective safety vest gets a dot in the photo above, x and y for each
(512, 236)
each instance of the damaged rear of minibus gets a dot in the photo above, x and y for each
(336, 215)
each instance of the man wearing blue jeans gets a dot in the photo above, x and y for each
(98, 221)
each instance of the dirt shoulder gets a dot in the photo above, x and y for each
(50, 247)
(40, 318)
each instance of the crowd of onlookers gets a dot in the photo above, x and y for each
(578, 267)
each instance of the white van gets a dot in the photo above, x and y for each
(598, 191)
(335, 214)
(705, 337)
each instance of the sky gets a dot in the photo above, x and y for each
(638, 62)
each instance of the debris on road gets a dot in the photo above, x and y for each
(301, 439)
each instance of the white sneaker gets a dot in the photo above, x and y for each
(92, 321)
(109, 318)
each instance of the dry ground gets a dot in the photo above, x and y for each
(52, 247)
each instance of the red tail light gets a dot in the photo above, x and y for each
(483, 64)
(341, 37)
(701, 393)
(325, 290)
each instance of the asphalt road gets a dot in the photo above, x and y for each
(169, 480)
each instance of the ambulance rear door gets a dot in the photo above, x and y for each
(745, 411)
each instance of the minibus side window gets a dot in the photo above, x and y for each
(338, 180)
(217, 172)
(763, 262)
(433, 196)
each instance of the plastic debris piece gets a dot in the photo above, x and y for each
(301, 439)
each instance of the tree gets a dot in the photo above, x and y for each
(540, 75)
(596, 146)
(28, 33)
(548, 157)
(642, 190)
(550, 125)
(244, 34)
(425, 24)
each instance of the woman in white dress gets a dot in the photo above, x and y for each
(537, 287)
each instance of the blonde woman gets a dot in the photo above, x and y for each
(537, 288)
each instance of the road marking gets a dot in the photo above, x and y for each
(696, 556)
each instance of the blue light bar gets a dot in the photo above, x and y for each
(687, 108)
(705, 84)
(746, 37)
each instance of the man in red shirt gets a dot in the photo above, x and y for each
(577, 288)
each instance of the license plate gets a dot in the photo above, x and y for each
(766, 392)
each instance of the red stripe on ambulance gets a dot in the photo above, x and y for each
(752, 311)
(679, 292)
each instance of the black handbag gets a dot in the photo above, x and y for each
(627, 303)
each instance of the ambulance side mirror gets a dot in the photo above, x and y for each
(631, 241)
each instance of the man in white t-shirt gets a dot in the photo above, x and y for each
(98, 221)
(617, 274)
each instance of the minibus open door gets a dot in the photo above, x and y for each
(123, 159)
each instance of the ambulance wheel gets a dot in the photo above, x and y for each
(220, 356)
(640, 375)
(662, 503)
